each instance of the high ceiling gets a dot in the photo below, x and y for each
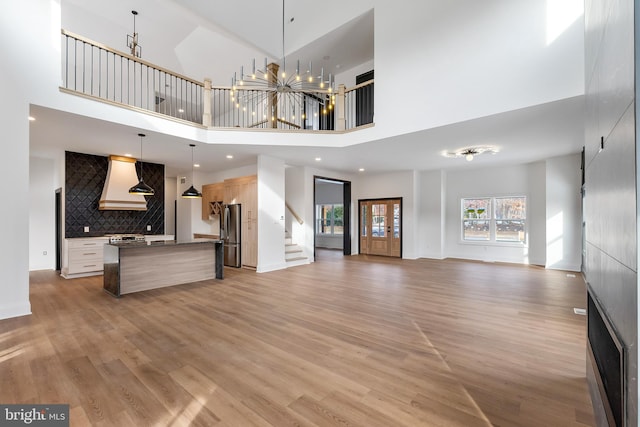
(336, 41)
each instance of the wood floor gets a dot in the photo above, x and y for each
(353, 341)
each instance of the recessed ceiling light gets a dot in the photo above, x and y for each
(361, 170)
(318, 159)
(32, 119)
(180, 110)
(229, 156)
(127, 154)
(196, 165)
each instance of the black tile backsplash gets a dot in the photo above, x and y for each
(84, 178)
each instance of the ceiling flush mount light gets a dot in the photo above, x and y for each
(132, 40)
(32, 119)
(229, 156)
(141, 188)
(277, 93)
(470, 152)
(191, 192)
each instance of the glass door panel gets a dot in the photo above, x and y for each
(396, 220)
(378, 216)
(363, 219)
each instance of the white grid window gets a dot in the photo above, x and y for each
(494, 219)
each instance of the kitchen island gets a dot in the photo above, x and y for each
(139, 266)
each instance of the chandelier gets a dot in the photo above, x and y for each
(469, 152)
(132, 40)
(273, 96)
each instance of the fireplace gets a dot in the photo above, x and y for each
(607, 371)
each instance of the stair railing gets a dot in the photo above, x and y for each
(295, 215)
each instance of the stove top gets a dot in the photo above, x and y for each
(117, 238)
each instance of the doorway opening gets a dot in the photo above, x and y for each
(332, 214)
(380, 227)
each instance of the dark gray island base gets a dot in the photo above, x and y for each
(139, 266)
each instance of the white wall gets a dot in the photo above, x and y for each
(391, 185)
(198, 225)
(489, 182)
(271, 193)
(185, 212)
(431, 216)
(536, 212)
(170, 196)
(473, 59)
(42, 186)
(219, 176)
(564, 233)
(33, 79)
(348, 77)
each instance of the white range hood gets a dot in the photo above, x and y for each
(121, 176)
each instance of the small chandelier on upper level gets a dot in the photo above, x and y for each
(132, 40)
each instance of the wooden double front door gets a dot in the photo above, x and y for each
(381, 227)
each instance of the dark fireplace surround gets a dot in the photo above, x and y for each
(606, 366)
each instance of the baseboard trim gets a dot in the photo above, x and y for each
(15, 310)
(272, 267)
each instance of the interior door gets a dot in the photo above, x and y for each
(381, 227)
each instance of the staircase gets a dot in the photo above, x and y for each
(293, 254)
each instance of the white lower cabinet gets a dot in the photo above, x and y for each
(83, 256)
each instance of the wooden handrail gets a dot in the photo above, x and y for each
(256, 124)
(295, 215)
(367, 83)
(130, 57)
(293, 125)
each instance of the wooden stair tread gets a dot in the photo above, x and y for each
(298, 258)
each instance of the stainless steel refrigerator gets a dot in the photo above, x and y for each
(230, 225)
